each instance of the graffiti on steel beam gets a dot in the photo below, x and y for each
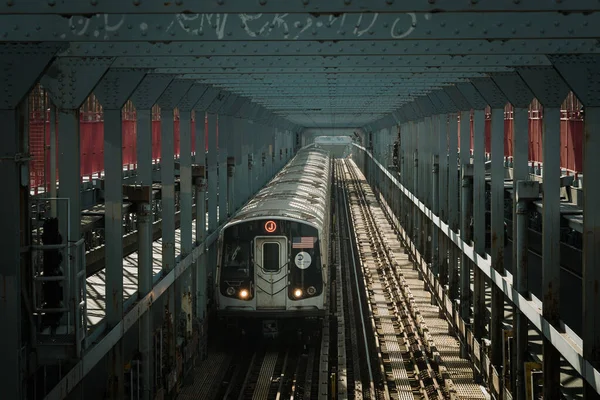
(286, 26)
(112, 23)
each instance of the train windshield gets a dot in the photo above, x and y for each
(236, 259)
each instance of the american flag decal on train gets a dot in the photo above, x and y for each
(304, 242)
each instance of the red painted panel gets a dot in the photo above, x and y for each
(508, 136)
(571, 137)
(129, 142)
(535, 140)
(177, 136)
(37, 151)
(156, 140)
(487, 134)
(193, 131)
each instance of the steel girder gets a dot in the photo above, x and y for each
(284, 27)
(347, 48)
(283, 6)
(194, 62)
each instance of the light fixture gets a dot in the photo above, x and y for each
(311, 290)
(243, 294)
(230, 291)
(298, 293)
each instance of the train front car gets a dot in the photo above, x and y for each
(274, 253)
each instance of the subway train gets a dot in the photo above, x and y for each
(273, 254)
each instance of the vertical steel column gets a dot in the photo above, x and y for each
(551, 246)
(200, 275)
(185, 199)
(551, 90)
(428, 185)
(113, 220)
(53, 192)
(237, 138)
(466, 200)
(69, 171)
(415, 174)
(479, 308)
(591, 250)
(144, 146)
(231, 185)
(477, 103)
(497, 211)
(443, 197)
(201, 267)
(167, 173)
(520, 232)
(213, 182)
(113, 227)
(252, 162)
(212, 172)
(11, 145)
(436, 211)
(145, 96)
(453, 211)
(185, 174)
(144, 225)
(525, 191)
(223, 145)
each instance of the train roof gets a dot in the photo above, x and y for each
(300, 191)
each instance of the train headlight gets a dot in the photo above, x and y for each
(297, 293)
(311, 290)
(230, 291)
(244, 294)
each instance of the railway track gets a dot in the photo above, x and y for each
(375, 343)
(409, 361)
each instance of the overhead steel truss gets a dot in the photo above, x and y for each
(312, 63)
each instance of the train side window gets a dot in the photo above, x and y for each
(270, 257)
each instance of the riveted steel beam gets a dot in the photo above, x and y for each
(347, 48)
(255, 27)
(443, 102)
(337, 74)
(457, 98)
(192, 62)
(189, 74)
(149, 90)
(471, 94)
(189, 101)
(328, 8)
(514, 88)
(237, 106)
(218, 101)
(546, 84)
(70, 80)
(206, 99)
(581, 73)
(21, 66)
(144, 97)
(490, 92)
(117, 85)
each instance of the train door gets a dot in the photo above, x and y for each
(271, 270)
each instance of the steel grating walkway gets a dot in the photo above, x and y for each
(460, 370)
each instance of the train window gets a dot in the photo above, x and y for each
(271, 257)
(236, 259)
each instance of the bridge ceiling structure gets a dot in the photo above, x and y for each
(309, 63)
